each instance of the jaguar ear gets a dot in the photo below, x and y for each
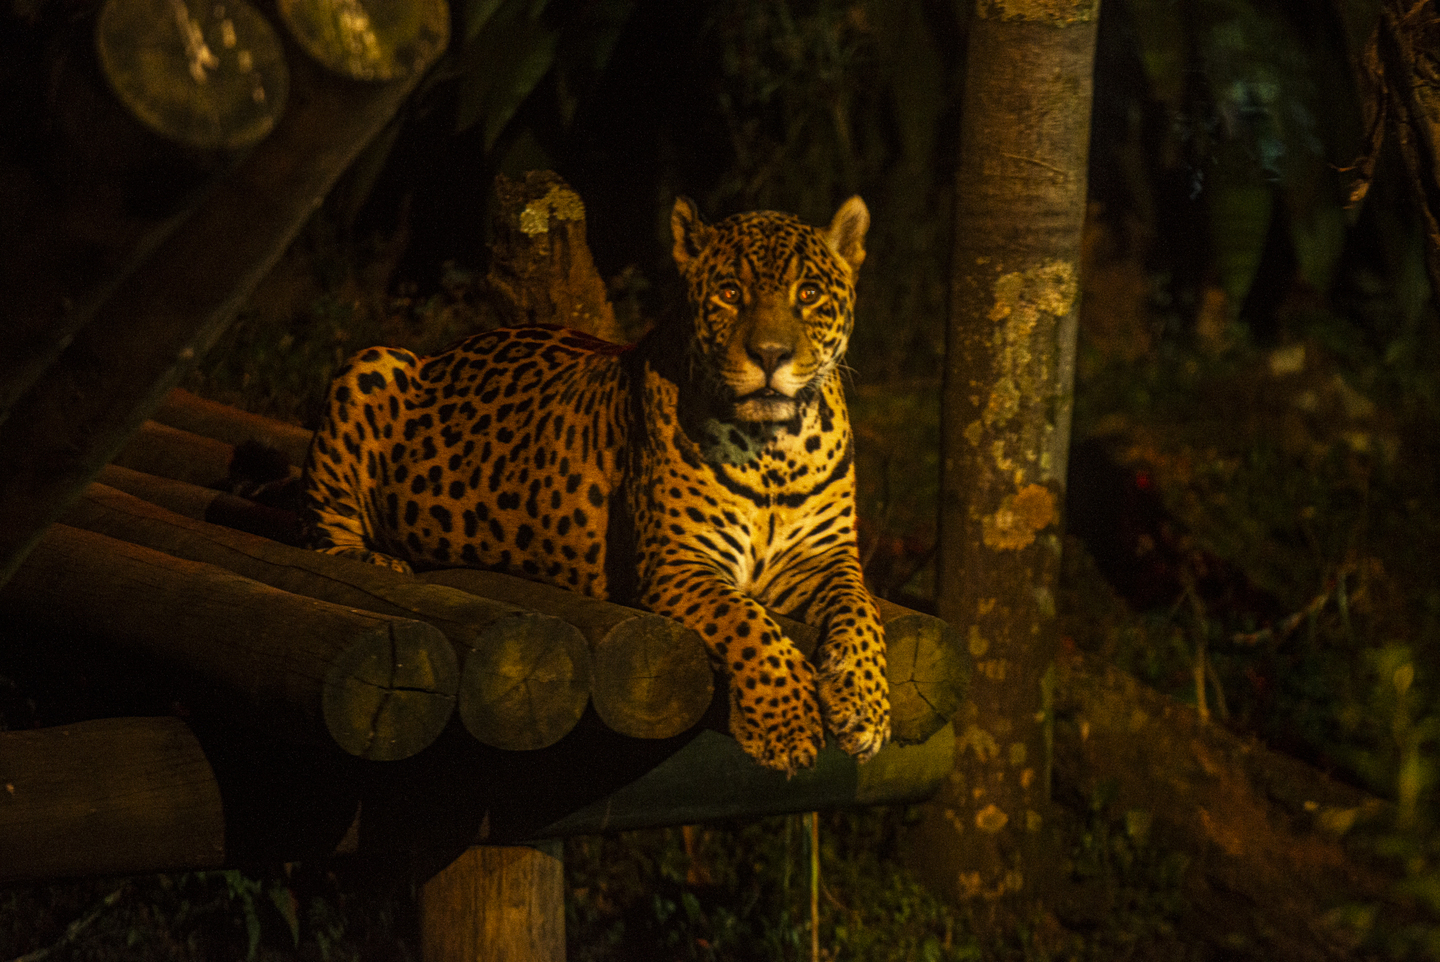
(691, 234)
(846, 235)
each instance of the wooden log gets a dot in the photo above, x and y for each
(133, 330)
(369, 39)
(206, 504)
(525, 677)
(712, 778)
(379, 687)
(204, 75)
(637, 689)
(651, 676)
(191, 412)
(119, 796)
(497, 903)
(168, 452)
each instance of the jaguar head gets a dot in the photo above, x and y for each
(771, 303)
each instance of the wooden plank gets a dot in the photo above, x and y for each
(161, 317)
(499, 903)
(118, 796)
(379, 687)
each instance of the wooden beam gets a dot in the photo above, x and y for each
(378, 687)
(119, 796)
(712, 778)
(151, 326)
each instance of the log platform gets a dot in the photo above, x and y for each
(462, 719)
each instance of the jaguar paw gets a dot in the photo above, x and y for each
(858, 716)
(778, 726)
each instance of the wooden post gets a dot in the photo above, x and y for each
(496, 903)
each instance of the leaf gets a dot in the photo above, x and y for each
(284, 901)
(501, 67)
(1239, 220)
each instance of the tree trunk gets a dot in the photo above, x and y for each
(1006, 420)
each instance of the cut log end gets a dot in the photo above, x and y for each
(203, 75)
(652, 677)
(392, 692)
(928, 673)
(526, 683)
(369, 39)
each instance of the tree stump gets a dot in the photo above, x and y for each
(541, 271)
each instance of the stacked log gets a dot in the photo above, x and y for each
(74, 804)
(378, 686)
(524, 676)
(314, 649)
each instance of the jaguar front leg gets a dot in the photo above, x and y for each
(774, 714)
(850, 659)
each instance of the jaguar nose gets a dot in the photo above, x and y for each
(769, 355)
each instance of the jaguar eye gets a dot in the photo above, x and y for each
(729, 293)
(808, 293)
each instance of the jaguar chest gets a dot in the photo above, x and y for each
(757, 522)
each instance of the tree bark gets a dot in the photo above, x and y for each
(1020, 190)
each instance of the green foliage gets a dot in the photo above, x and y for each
(297, 913)
(1261, 121)
(745, 895)
(1121, 877)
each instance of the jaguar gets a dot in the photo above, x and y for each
(705, 473)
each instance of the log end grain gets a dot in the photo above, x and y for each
(652, 677)
(928, 671)
(526, 682)
(392, 691)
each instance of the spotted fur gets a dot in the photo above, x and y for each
(705, 474)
